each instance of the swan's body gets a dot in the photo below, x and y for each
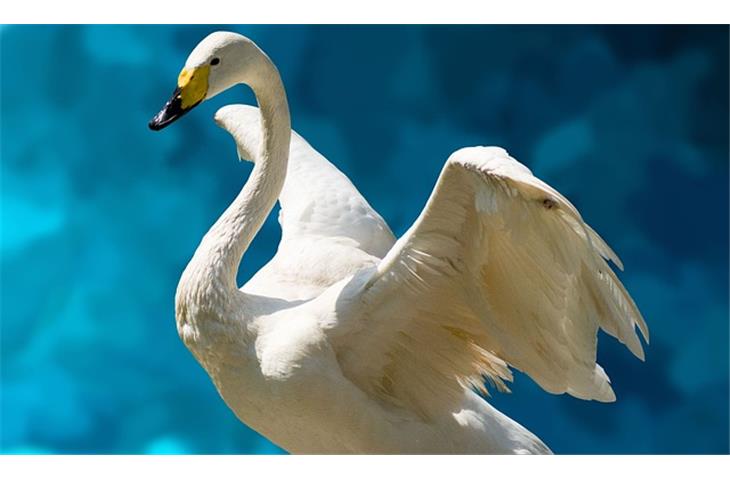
(350, 342)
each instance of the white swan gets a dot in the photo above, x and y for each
(350, 342)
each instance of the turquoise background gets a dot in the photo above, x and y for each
(100, 215)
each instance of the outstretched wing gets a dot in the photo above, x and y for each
(498, 270)
(317, 200)
(328, 229)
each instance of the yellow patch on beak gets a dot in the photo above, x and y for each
(193, 85)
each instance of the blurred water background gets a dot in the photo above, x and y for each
(100, 215)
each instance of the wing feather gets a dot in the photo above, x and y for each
(498, 270)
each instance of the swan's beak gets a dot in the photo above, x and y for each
(192, 87)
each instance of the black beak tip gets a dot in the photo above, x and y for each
(163, 119)
(154, 125)
(169, 113)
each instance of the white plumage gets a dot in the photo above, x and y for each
(350, 341)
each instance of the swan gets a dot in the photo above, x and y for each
(350, 341)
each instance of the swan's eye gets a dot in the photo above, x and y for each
(215, 61)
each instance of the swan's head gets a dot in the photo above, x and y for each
(220, 61)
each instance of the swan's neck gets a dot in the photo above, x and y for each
(210, 278)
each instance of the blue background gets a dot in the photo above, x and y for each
(100, 215)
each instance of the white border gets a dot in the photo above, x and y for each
(366, 11)
(362, 467)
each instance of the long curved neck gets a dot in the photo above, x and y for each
(216, 261)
